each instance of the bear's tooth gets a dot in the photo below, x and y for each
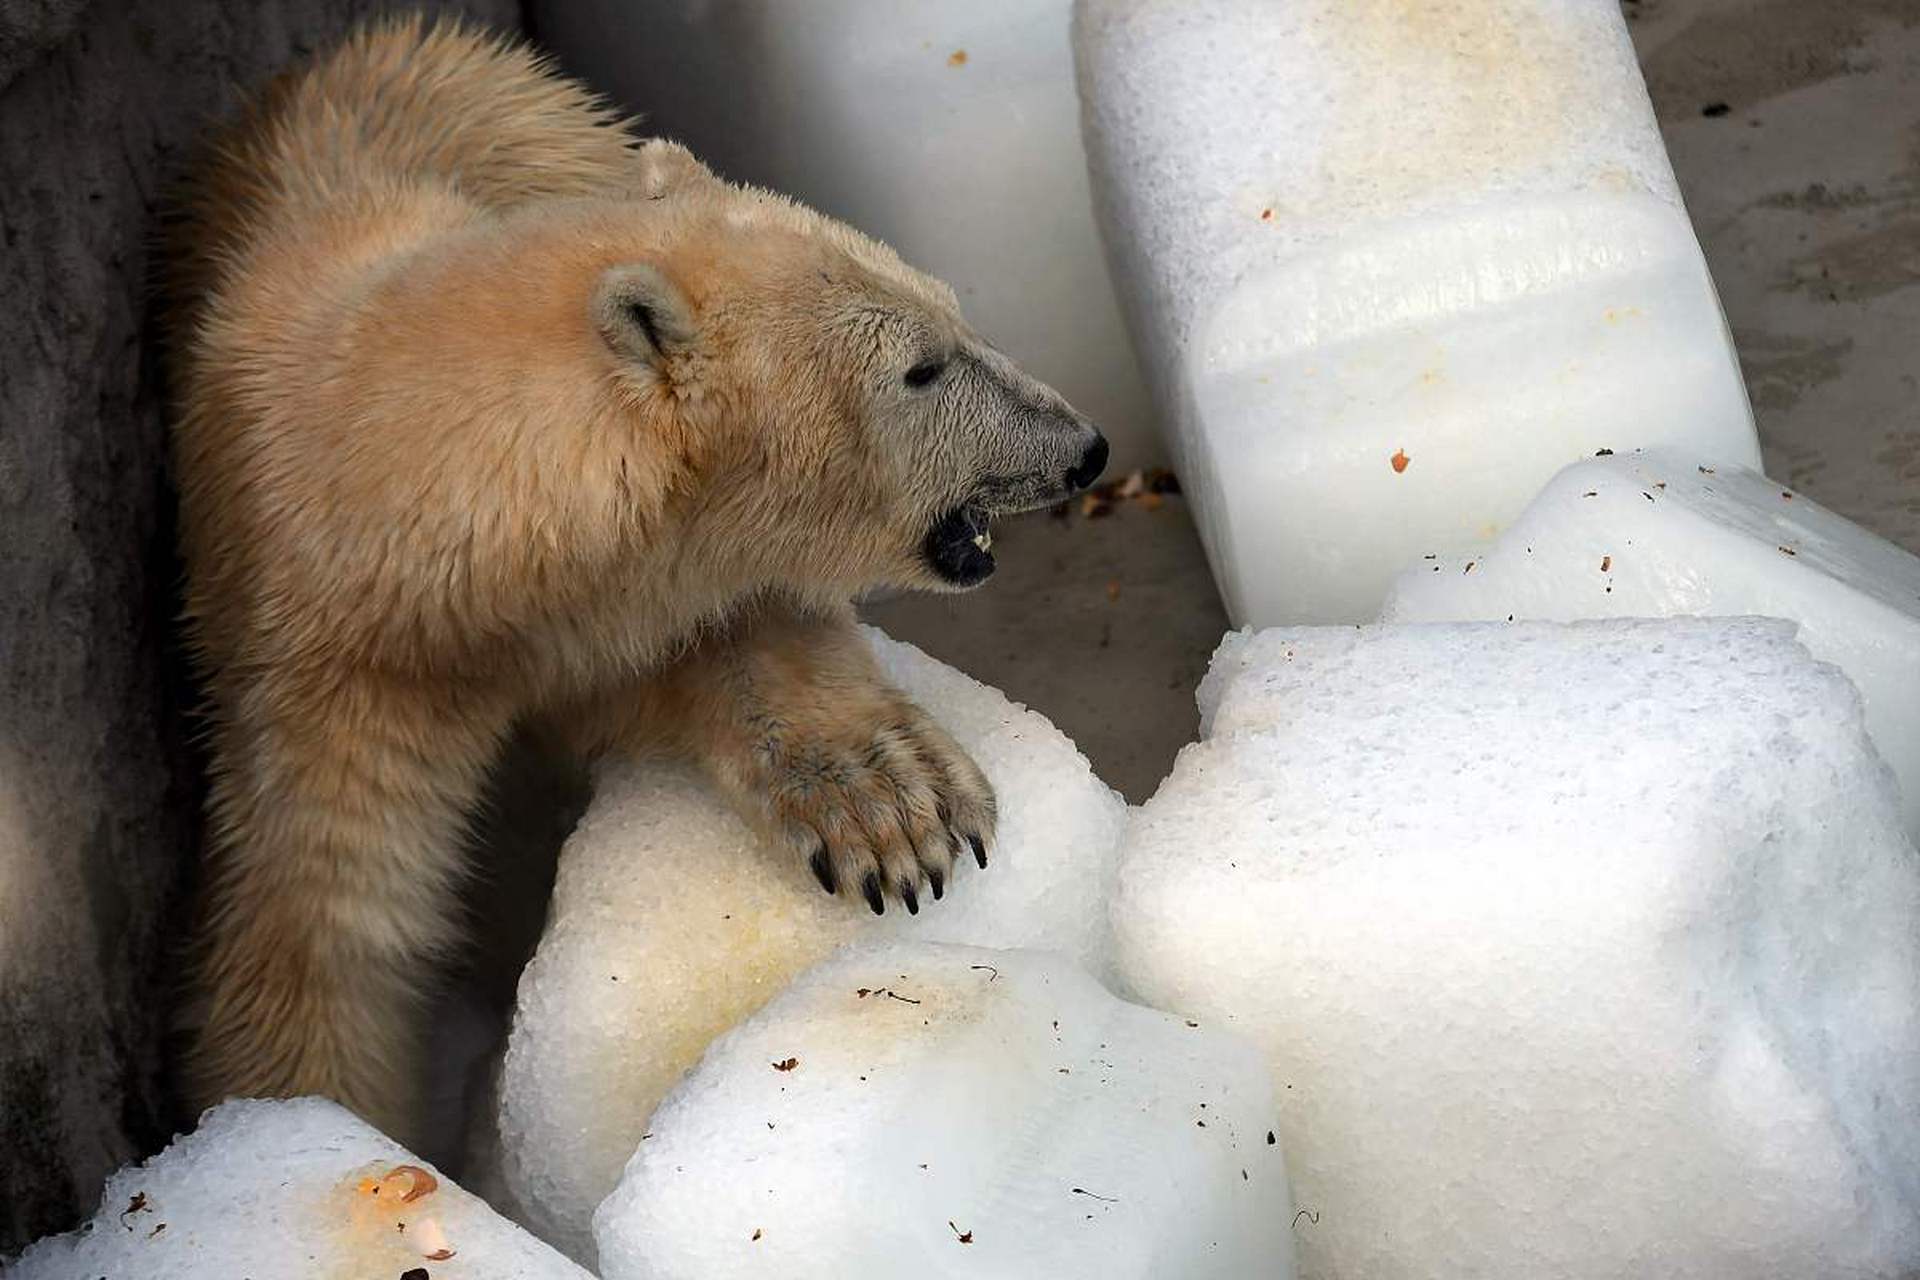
(983, 540)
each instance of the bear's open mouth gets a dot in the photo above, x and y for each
(959, 547)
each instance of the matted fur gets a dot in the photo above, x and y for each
(489, 411)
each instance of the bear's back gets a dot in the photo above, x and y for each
(404, 112)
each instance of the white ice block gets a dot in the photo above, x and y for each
(1658, 533)
(1395, 265)
(1585, 950)
(938, 1111)
(949, 130)
(290, 1191)
(670, 923)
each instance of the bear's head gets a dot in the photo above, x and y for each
(843, 424)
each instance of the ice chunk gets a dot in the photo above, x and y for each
(917, 1110)
(1396, 265)
(951, 131)
(1578, 950)
(290, 1191)
(1658, 533)
(670, 923)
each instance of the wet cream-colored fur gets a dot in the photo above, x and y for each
(490, 412)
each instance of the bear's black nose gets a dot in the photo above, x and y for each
(1092, 463)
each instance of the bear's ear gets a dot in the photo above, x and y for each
(665, 167)
(642, 314)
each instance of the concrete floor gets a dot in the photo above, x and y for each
(1806, 196)
(1103, 625)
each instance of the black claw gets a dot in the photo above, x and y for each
(871, 888)
(937, 881)
(908, 896)
(823, 870)
(979, 851)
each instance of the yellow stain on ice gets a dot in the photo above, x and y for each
(384, 1219)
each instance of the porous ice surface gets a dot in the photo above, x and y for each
(1394, 266)
(289, 1191)
(1577, 950)
(670, 923)
(1656, 533)
(909, 1109)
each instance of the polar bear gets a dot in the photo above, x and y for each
(489, 412)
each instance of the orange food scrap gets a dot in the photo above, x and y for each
(383, 1206)
(408, 1182)
(1113, 589)
(1399, 461)
(1606, 563)
(1266, 215)
(958, 58)
(404, 1184)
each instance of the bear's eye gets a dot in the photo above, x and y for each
(925, 373)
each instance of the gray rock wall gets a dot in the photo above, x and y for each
(99, 100)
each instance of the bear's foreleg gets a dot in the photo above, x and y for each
(791, 717)
(338, 816)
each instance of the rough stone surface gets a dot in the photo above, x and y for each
(98, 103)
(28, 28)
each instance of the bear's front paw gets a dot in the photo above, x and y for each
(883, 806)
